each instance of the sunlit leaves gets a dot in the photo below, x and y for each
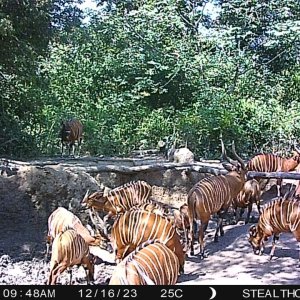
(142, 70)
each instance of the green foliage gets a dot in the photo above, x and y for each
(139, 71)
(26, 28)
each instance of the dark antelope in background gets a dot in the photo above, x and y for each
(278, 216)
(250, 194)
(214, 195)
(70, 133)
(268, 162)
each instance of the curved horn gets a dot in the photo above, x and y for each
(239, 159)
(224, 155)
(96, 220)
(85, 198)
(290, 194)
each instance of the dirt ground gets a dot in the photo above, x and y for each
(230, 261)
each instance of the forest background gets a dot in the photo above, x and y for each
(135, 72)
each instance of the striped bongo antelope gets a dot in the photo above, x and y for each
(214, 195)
(181, 221)
(62, 219)
(250, 193)
(137, 226)
(278, 216)
(70, 132)
(70, 249)
(177, 216)
(295, 189)
(152, 263)
(268, 162)
(118, 200)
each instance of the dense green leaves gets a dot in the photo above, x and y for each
(138, 71)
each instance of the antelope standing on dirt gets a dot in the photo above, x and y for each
(214, 195)
(295, 189)
(278, 216)
(70, 249)
(251, 193)
(62, 219)
(152, 263)
(118, 200)
(268, 162)
(180, 217)
(177, 216)
(137, 226)
(71, 132)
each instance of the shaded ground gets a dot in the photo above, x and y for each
(22, 246)
(230, 261)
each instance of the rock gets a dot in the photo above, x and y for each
(183, 155)
(49, 188)
(5, 260)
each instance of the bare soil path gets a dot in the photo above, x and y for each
(230, 261)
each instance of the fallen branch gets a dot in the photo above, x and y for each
(118, 165)
(278, 175)
(149, 168)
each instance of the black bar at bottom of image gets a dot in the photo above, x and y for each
(201, 292)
